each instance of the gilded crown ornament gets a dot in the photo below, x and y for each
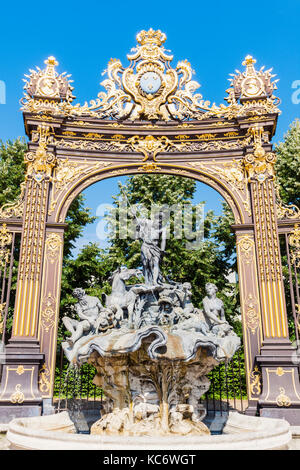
(254, 89)
(45, 88)
(150, 89)
(151, 37)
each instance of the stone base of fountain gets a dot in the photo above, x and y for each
(147, 397)
(58, 432)
(149, 422)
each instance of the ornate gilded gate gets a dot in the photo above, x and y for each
(150, 119)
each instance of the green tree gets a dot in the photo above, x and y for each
(12, 169)
(78, 217)
(12, 175)
(288, 165)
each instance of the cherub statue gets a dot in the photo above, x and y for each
(110, 317)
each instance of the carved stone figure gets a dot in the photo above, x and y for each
(214, 311)
(109, 317)
(151, 347)
(183, 427)
(150, 231)
(94, 319)
(122, 297)
(88, 309)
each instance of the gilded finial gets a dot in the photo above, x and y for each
(51, 61)
(249, 60)
(151, 37)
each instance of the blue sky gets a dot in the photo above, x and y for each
(214, 36)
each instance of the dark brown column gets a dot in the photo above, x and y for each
(49, 311)
(281, 390)
(250, 311)
(19, 392)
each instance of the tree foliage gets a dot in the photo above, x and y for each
(77, 218)
(12, 169)
(288, 165)
(12, 175)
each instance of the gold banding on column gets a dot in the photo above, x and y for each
(39, 166)
(260, 169)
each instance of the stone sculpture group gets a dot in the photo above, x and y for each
(151, 347)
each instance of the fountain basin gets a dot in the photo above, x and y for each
(57, 432)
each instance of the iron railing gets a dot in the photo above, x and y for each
(290, 267)
(9, 258)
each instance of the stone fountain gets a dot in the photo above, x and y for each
(151, 347)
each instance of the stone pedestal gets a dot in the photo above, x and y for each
(19, 393)
(48, 407)
(151, 397)
(280, 396)
(252, 408)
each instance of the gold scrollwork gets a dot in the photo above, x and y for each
(149, 167)
(287, 212)
(18, 395)
(251, 313)
(40, 163)
(246, 245)
(66, 172)
(234, 174)
(2, 308)
(206, 136)
(283, 211)
(44, 382)
(20, 370)
(5, 242)
(255, 384)
(294, 242)
(48, 312)
(150, 88)
(15, 208)
(282, 400)
(259, 164)
(212, 145)
(150, 146)
(53, 244)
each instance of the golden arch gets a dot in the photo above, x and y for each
(233, 198)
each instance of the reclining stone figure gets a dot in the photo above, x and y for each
(88, 310)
